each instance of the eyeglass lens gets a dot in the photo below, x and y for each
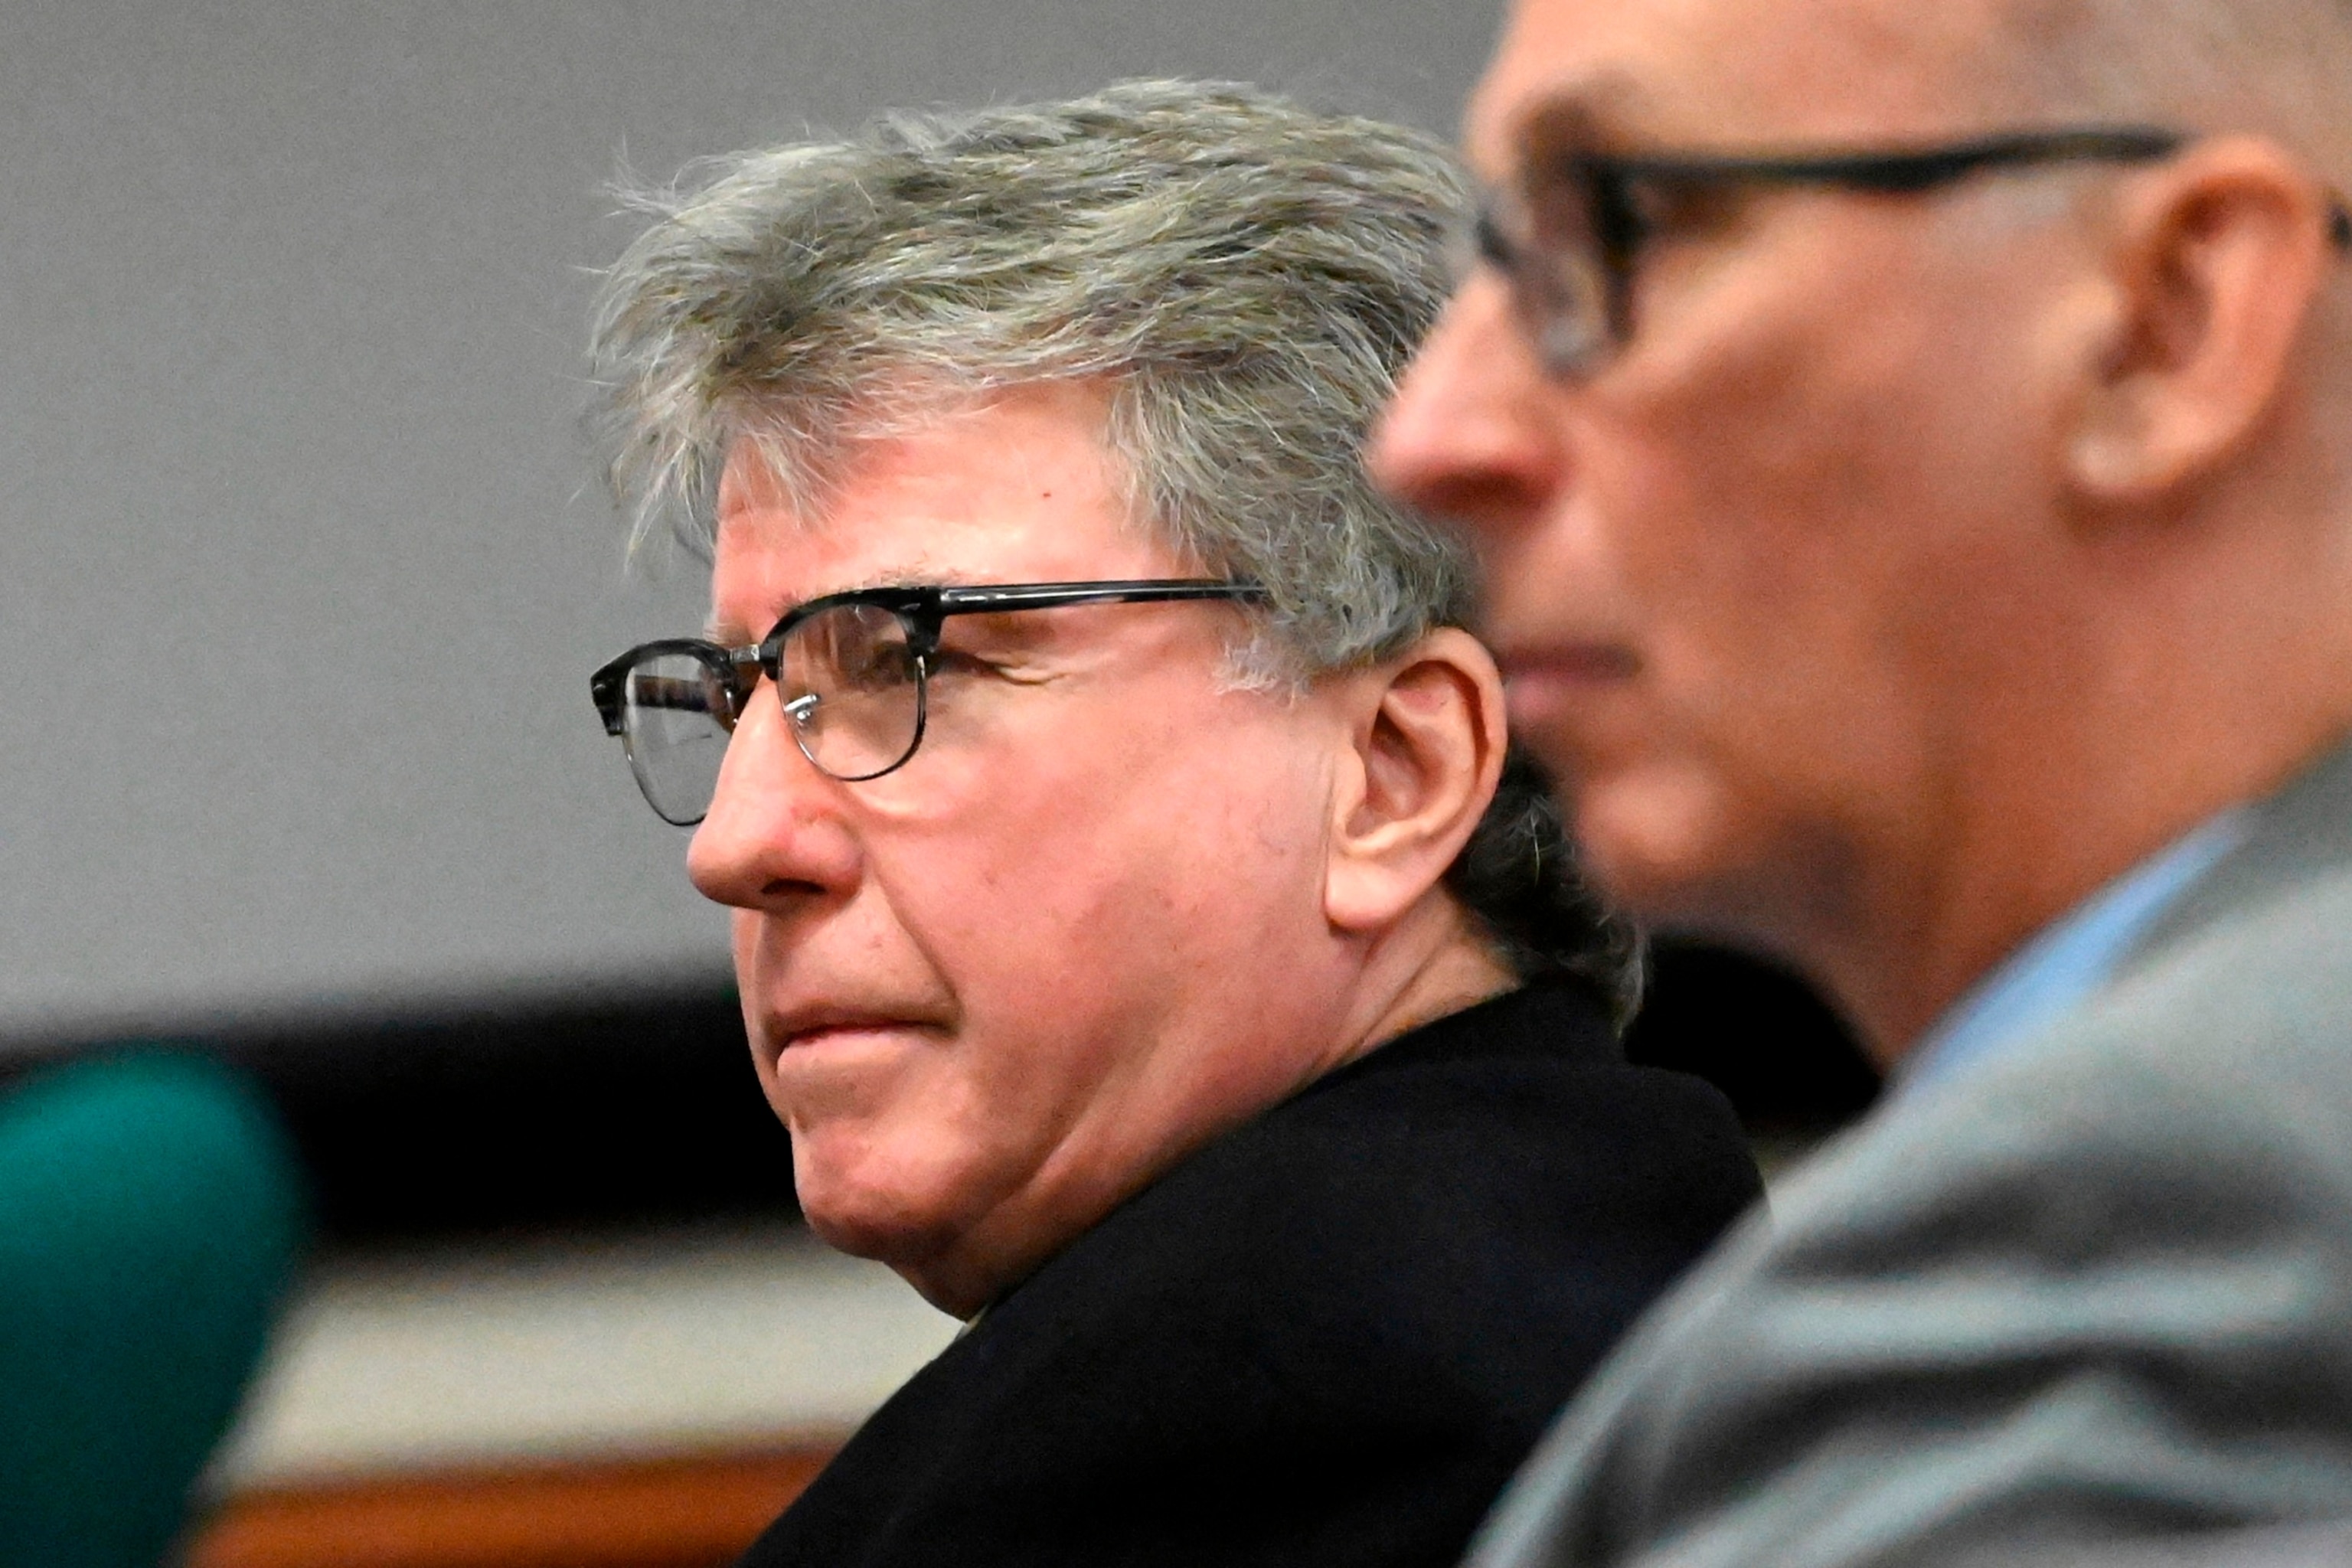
(851, 686)
(1560, 282)
(853, 693)
(676, 715)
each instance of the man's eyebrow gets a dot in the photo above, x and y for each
(732, 634)
(1592, 112)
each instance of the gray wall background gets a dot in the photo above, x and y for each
(301, 567)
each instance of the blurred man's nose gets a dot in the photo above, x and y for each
(1465, 439)
(775, 835)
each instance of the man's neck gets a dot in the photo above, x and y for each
(1897, 978)
(2189, 664)
(1436, 962)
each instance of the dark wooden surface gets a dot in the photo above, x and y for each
(689, 1511)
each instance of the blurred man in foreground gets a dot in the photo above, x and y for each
(1909, 449)
(1131, 929)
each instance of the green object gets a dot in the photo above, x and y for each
(151, 1212)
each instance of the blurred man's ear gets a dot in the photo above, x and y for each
(1426, 751)
(2217, 258)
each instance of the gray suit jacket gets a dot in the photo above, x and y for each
(2097, 1287)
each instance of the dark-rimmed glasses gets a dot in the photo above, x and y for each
(853, 671)
(1568, 244)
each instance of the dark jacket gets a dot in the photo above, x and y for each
(1327, 1336)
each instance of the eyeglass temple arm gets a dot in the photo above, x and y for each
(1900, 172)
(1053, 596)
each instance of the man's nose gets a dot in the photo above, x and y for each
(1466, 438)
(775, 835)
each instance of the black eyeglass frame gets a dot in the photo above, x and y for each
(923, 610)
(1607, 183)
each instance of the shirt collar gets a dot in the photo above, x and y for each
(2069, 959)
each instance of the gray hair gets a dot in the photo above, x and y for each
(1245, 275)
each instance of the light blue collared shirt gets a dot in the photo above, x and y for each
(2070, 958)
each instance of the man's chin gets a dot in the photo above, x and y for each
(918, 1248)
(890, 1222)
(1678, 861)
(1654, 845)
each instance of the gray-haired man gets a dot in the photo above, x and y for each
(1132, 932)
(1910, 444)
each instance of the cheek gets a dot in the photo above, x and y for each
(1078, 896)
(1115, 922)
(1107, 871)
(1083, 912)
(1775, 530)
(1806, 501)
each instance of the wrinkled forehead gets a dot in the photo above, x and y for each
(1732, 74)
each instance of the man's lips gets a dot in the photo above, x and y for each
(799, 1028)
(1540, 682)
(1579, 662)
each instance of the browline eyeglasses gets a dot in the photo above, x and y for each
(853, 671)
(1568, 244)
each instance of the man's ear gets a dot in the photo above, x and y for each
(2219, 255)
(1426, 750)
